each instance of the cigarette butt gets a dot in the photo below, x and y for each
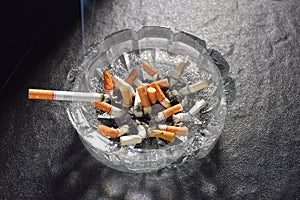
(114, 111)
(169, 136)
(177, 73)
(181, 117)
(132, 76)
(120, 82)
(137, 82)
(66, 95)
(144, 99)
(149, 69)
(168, 112)
(112, 132)
(161, 96)
(126, 95)
(152, 94)
(163, 83)
(141, 131)
(194, 87)
(181, 131)
(130, 139)
(108, 83)
(197, 107)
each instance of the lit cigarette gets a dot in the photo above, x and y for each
(141, 131)
(161, 96)
(169, 136)
(177, 73)
(112, 132)
(114, 111)
(137, 105)
(168, 112)
(144, 99)
(130, 139)
(132, 76)
(150, 70)
(108, 83)
(162, 83)
(66, 95)
(120, 82)
(194, 87)
(192, 112)
(126, 95)
(181, 131)
(152, 94)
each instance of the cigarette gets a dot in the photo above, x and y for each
(169, 136)
(181, 117)
(152, 94)
(108, 83)
(132, 76)
(177, 73)
(194, 87)
(144, 99)
(141, 131)
(120, 82)
(112, 110)
(130, 139)
(137, 105)
(126, 95)
(112, 132)
(163, 83)
(150, 70)
(161, 96)
(168, 112)
(66, 95)
(181, 131)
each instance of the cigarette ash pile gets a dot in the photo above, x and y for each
(148, 113)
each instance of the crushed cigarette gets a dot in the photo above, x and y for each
(177, 73)
(189, 89)
(169, 136)
(150, 70)
(180, 131)
(168, 112)
(132, 76)
(112, 132)
(142, 90)
(108, 83)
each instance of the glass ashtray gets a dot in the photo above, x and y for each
(120, 53)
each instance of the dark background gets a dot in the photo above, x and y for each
(257, 155)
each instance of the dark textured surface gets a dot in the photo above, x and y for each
(257, 156)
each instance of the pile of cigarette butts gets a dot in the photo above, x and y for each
(138, 99)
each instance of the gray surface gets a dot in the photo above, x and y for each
(257, 155)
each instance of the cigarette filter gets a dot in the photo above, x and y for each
(66, 95)
(114, 111)
(197, 107)
(119, 82)
(108, 83)
(181, 131)
(132, 76)
(177, 73)
(152, 94)
(162, 83)
(161, 96)
(112, 132)
(141, 131)
(169, 136)
(126, 95)
(130, 139)
(150, 70)
(181, 117)
(168, 112)
(194, 87)
(144, 99)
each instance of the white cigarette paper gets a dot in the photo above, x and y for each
(130, 139)
(141, 131)
(120, 82)
(189, 89)
(181, 117)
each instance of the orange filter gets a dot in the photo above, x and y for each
(41, 94)
(144, 97)
(168, 112)
(103, 106)
(149, 69)
(162, 83)
(132, 76)
(152, 94)
(110, 132)
(169, 136)
(161, 96)
(108, 82)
